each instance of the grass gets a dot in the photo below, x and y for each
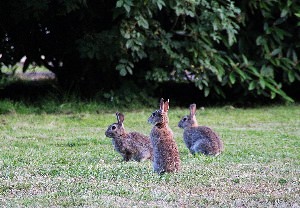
(63, 159)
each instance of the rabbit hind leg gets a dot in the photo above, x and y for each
(200, 147)
(127, 156)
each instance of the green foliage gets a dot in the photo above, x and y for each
(272, 61)
(200, 43)
(217, 45)
(180, 40)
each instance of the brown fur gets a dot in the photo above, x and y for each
(199, 139)
(165, 151)
(133, 145)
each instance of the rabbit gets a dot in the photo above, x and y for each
(132, 145)
(199, 139)
(165, 151)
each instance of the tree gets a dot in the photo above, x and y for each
(216, 45)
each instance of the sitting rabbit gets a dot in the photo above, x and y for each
(199, 138)
(133, 145)
(165, 151)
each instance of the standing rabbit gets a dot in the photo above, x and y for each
(199, 138)
(165, 152)
(131, 145)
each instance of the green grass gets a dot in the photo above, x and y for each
(63, 159)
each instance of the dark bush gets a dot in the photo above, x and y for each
(220, 46)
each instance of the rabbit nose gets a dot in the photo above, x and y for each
(107, 133)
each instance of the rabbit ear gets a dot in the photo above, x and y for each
(193, 109)
(161, 105)
(120, 117)
(166, 105)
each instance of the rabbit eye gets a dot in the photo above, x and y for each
(153, 114)
(184, 119)
(113, 127)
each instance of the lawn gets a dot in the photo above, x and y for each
(63, 159)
